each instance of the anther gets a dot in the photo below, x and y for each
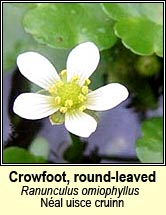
(84, 90)
(57, 100)
(52, 89)
(63, 109)
(63, 74)
(68, 103)
(59, 84)
(75, 78)
(81, 98)
(87, 82)
(82, 108)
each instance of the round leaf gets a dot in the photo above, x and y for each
(139, 25)
(149, 147)
(66, 25)
(19, 155)
(16, 40)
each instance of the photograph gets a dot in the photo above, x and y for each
(82, 83)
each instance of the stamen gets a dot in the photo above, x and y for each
(68, 103)
(63, 109)
(59, 84)
(75, 78)
(63, 75)
(81, 97)
(84, 90)
(82, 108)
(52, 89)
(87, 82)
(57, 100)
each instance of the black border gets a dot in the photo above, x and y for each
(70, 164)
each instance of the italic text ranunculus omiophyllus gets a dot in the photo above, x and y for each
(68, 99)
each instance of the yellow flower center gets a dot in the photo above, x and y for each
(69, 96)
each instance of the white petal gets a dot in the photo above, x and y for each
(82, 61)
(33, 106)
(80, 124)
(107, 97)
(37, 69)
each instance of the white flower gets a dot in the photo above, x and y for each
(69, 97)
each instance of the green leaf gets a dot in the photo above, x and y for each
(40, 147)
(149, 147)
(20, 155)
(139, 25)
(16, 40)
(62, 25)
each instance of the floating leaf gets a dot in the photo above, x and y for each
(139, 25)
(65, 25)
(149, 147)
(16, 40)
(20, 155)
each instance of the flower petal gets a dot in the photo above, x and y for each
(80, 124)
(33, 106)
(107, 97)
(82, 61)
(37, 69)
